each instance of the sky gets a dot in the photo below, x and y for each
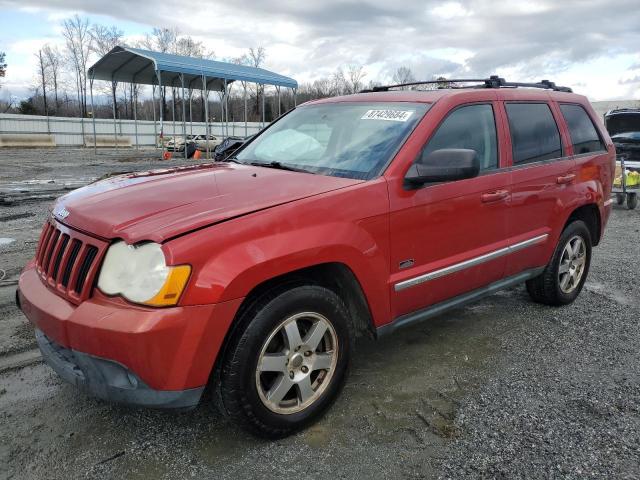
(592, 46)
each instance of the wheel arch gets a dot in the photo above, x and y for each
(590, 215)
(336, 276)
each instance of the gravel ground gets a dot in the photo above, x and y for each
(504, 388)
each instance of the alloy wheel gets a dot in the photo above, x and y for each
(297, 363)
(572, 263)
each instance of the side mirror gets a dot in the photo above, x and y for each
(445, 165)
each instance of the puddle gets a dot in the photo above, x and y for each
(6, 241)
(608, 292)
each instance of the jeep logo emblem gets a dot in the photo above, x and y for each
(61, 213)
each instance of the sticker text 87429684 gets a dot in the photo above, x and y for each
(392, 115)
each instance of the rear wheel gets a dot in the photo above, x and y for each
(632, 200)
(287, 365)
(562, 279)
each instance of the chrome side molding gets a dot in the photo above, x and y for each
(472, 262)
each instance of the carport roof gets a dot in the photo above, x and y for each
(135, 65)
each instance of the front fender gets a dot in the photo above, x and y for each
(349, 227)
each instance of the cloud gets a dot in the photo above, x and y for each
(525, 38)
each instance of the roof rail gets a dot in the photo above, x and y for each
(494, 81)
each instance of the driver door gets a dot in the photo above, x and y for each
(446, 238)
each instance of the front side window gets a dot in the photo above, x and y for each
(349, 139)
(584, 135)
(534, 133)
(471, 127)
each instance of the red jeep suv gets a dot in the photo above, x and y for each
(348, 215)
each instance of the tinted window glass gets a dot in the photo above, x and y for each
(584, 135)
(534, 133)
(472, 127)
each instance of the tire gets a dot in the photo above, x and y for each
(632, 201)
(253, 397)
(619, 198)
(551, 287)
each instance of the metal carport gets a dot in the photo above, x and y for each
(158, 69)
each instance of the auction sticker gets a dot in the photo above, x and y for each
(393, 115)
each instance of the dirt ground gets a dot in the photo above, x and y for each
(504, 388)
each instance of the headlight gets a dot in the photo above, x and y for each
(140, 274)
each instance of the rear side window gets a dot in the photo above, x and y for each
(534, 133)
(584, 135)
(472, 127)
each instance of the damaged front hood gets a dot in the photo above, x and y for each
(162, 204)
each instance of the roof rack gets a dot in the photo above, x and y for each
(494, 81)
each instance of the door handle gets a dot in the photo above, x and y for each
(565, 179)
(495, 196)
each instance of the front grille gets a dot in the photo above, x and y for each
(68, 261)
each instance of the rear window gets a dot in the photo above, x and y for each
(534, 133)
(584, 135)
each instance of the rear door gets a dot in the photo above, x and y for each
(542, 176)
(444, 235)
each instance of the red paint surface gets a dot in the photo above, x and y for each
(238, 226)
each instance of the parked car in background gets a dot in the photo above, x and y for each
(227, 147)
(623, 126)
(351, 215)
(177, 143)
(201, 142)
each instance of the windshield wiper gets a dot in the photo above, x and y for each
(280, 166)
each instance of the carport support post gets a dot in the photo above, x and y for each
(115, 129)
(173, 114)
(184, 119)
(135, 113)
(190, 113)
(93, 116)
(161, 112)
(263, 120)
(206, 111)
(225, 130)
(246, 131)
(153, 109)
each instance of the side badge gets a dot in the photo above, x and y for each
(406, 263)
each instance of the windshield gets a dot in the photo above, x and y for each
(353, 140)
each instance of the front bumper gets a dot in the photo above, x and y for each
(105, 345)
(109, 380)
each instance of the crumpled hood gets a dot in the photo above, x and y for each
(162, 204)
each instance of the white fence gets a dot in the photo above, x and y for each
(74, 131)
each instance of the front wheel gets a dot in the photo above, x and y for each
(563, 278)
(287, 362)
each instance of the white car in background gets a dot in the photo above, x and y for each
(201, 142)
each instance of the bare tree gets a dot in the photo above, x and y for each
(104, 39)
(355, 77)
(338, 82)
(53, 58)
(403, 75)
(162, 40)
(256, 57)
(3, 66)
(79, 42)
(43, 68)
